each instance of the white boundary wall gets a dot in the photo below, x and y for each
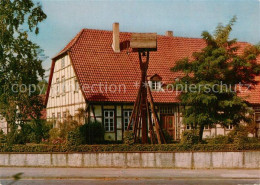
(188, 160)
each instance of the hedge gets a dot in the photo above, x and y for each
(126, 148)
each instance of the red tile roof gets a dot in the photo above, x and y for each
(95, 62)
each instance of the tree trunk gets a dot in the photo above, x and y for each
(201, 132)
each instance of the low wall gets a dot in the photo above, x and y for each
(190, 160)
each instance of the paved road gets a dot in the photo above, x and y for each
(137, 181)
(128, 176)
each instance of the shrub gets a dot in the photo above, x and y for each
(54, 136)
(29, 132)
(75, 137)
(129, 137)
(14, 137)
(2, 136)
(41, 130)
(92, 133)
(66, 126)
(190, 137)
(239, 135)
(219, 139)
(126, 148)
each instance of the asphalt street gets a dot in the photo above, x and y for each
(98, 176)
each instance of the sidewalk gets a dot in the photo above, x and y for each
(119, 173)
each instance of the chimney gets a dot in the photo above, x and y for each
(169, 33)
(116, 42)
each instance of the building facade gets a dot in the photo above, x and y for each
(97, 72)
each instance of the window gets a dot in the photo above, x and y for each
(127, 115)
(58, 86)
(62, 63)
(156, 85)
(166, 110)
(53, 119)
(206, 127)
(58, 116)
(76, 85)
(230, 127)
(63, 84)
(188, 127)
(65, 115)
(109, 120)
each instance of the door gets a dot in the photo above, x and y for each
(169, 125)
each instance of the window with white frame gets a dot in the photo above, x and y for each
(63, 84)
(188, 127)
(109, 120)
(230, 127)
(58, 116)
(62, 63)
(127, 115)
(155, 85)
(206, 127)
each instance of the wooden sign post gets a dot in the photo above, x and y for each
(144, 108)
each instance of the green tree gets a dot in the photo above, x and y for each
(20, 58)
(212, 77)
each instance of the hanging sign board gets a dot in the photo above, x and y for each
(144, 41)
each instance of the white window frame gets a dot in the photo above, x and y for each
(63, 84)
(127, 119)
(109, 120)
(155, 85)
(229, 127)
(188, 127)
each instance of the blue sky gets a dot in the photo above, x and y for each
(186, 18)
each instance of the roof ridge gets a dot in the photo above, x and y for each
(78, 36)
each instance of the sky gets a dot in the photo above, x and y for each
(186, 18)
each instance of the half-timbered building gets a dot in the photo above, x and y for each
(97, 72)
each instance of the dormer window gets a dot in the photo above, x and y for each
(156, 85)
(155, 82)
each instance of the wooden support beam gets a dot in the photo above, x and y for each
(151, 129)
(158, 130)
(134, 109)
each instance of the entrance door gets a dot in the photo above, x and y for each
(169, 125)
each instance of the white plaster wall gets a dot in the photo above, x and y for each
(3, 124)
(71, 100)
